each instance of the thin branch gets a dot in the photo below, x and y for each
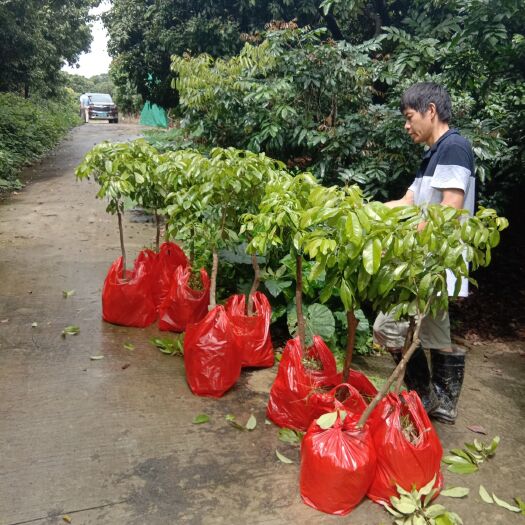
(255, 283)
(121, 232)
(406, 346)
(299, 301)
(352, 322)
(399, 370)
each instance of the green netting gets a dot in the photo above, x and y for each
(153, 115)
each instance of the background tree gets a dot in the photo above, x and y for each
(36, 38)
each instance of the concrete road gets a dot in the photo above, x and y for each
(111, 441)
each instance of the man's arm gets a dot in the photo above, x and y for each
(453, 197)
(406, 200)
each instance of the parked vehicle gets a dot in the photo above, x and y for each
(102, 107)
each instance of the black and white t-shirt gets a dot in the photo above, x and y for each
(448, 164)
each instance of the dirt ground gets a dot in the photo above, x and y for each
(111, 441)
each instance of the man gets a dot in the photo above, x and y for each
(84, 107)
(446, 176)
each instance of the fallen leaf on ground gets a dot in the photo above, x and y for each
(231, 421)
(282, 458)
(129, 346)
(484, 495)
(67, 293)
(455, 492)
(200, 419)
(287, 435)
(67, 518)
(504, 504)
(477, 428)
(70, 330)
(251, 423)
(96, 357)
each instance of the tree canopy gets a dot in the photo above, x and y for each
(36, 38)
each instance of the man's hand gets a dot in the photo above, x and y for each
(406, 200)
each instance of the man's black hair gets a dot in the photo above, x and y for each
(420, 95)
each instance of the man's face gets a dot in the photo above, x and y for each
(418, 125)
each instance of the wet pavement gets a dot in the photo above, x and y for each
(111, 441)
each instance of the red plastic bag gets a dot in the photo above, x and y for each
(128, 302)
(212, 362)
(252, 333)
(337, 466)
(402, 461)
(184, 305)
(170, 257)
(363, 385)
(353, 403)
(290, 404)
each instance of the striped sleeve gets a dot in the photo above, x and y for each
(453, 170)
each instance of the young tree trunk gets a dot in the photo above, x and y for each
(352, 327)
(213, 280)
(255, 284)
(121, 231)
(157, 238)
(406, 346)
(215, 266)
(398, 371)
(192, 248)
(299, 301)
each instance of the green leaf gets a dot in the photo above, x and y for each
(435, 510)
(493, 445)
(129, 346)
(276, 287)
(251, 423)
(462, 468)
(455, 492)
(372, 256)
(404, 505)
(392, 511)
(425, 490)
(320, 321)
(70, 330)
(504, 504)
(444, 519)
(327, 420)
(287, 435)
(346, 296)
(282, 459)
(230, 418)
(168, 345)
(200, 419)
(484, 495)
(67, 293)
(456, 459)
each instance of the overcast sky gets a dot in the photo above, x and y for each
(97, 60)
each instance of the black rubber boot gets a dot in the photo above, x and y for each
(417, 377)
(448, 370)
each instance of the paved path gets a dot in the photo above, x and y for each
(112, 441)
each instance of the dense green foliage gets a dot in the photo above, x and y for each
(29, 128)
(355, 252)
(36, 38)
(144, 35)
(333, 106)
